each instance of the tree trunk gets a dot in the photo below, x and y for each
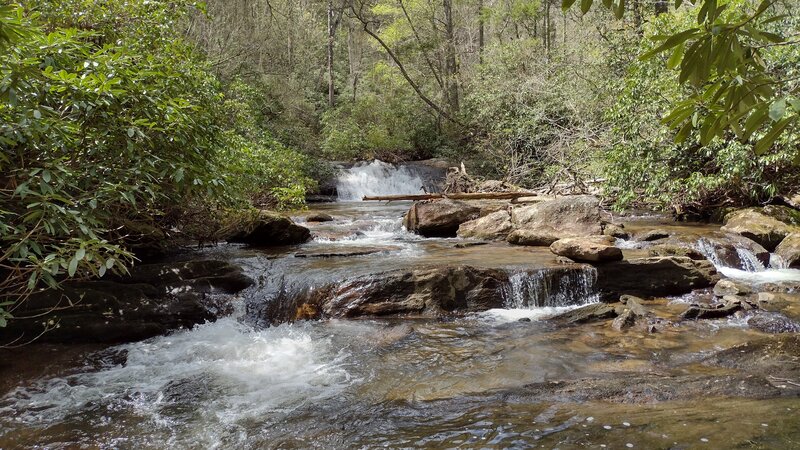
(661, 7)
(451, 67)
(330, 54)
(481, 31)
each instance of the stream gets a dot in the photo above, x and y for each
(241, 382)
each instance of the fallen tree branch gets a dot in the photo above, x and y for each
(461, 196)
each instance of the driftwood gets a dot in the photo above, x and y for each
(461, 196)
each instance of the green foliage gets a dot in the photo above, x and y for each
(387, 122)
(113, 129)
(724, 59)
(647, 166)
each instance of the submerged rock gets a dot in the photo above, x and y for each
(768, 226)
(496, 225)
(776, 356)
(731, 287)
(789, 251)
(654, 277)
(270, 230)
(701, 312)
(587, 249)
(773, 323)
(153, 300)
(439, 218)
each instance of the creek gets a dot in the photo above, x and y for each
(471, 381)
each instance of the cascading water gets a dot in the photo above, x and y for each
(552, 288)
(377, 178)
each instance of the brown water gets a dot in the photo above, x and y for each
(475, 382)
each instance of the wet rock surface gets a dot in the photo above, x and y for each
(789, 251)
(154, 299)
(439, 218)
(767, 226)
(654, 277)
(270, 230)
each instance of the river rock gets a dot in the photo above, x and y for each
(789, 251)
(587, 249)
(533, 238)
(616, 231)
(720, 311)
(271, 229)
(654, 277)
(773, 323)
(730, 287)
(153, 300)
(595, 312)
(427, 292)
(653, 235)
(674, 250)
(777, 355)
(763, 225)
(439, 218)
(564, 217)
(319, 217)
(496, 225)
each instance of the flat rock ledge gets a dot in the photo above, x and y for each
(153, 300)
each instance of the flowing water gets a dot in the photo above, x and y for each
(465, 382)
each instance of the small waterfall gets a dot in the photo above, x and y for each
(729, 255)
(377, 178)
(749, 261)
(552, 287)
(707, 249)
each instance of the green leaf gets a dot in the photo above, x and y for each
(766, 142)
(80, 254)
(131, 132)
(567, 4)
(586, 5)
(675, 59)
(672, 41)
(777, 109)
(73, 267)
(37, 114)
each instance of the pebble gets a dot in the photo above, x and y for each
(629, 445)
(626, 424)
(764, 425)
(607, 427)
(589, 419)
(703, 440)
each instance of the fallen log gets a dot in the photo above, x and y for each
(460, 196)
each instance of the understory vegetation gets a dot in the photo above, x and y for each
(126, 123)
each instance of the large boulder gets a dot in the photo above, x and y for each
(768, 226)
(654, 277)
(270, 230)
(439, 218)
(427, 292)
(564, 217)
(789, 251)
(496, 225)
(152, 300)
(587, 249)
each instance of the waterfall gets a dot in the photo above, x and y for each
(377, 178)
(551, 287)
(750, 262)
